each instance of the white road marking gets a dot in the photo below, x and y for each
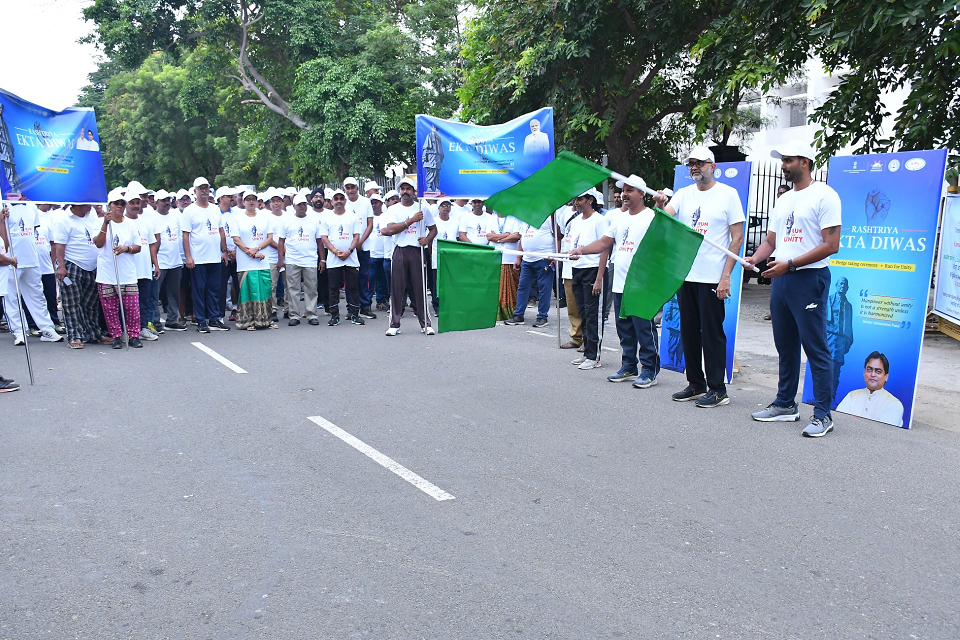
(389, 464)
(219, 358)
(541, 333)
(610, 349)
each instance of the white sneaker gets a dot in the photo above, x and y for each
(18, 341)
(430, 331)
(392, 331)
(146, 334)
(589, 364)
(50, 336)
(579, 360)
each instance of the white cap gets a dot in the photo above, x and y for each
(271, 193)
(442, 200)
(591, 192)
(667, 192)
(200, 182)
(162, 194)
(409, 181)
(136, 188)
(327, 193)
(701, 153)
(116, 194)
(634, 178)
(352, 181)
(391, 194)
(336, 191)
(299, 198)
(182, 193)
(376, 196)
(290, 191)
(795, 149)
(224, 191)
(151, 192)
(371, 185)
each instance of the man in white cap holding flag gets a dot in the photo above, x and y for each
(804, 232)
(412, 228)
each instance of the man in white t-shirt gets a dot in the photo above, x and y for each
(713, 209)
(6, 384)
(361, 207)
(77, 264)
(42, 236)
(804, 232)
(640, 357)
(22, 223)
(299, 248)
(170, 260)
(535, 270)
(148, 270)
(474, 225)
(205, 253)
(379, 256)
(873, 401)
(341, 231)
(229, 278)
(412, 227)
(447, 229)
(565, 216)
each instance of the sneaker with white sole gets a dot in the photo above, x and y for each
(50, 336)
(392, 331)
(644, 382)
(713, 399)
(577, 361)
(691, 392)
(589, 364)
(623, 375)
(775, 413)
(430, 331)
(818, 427)
(146, 334)
(18, 341)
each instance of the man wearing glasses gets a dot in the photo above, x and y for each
(874, 401)
(205, 253)
(715, 210)
(804, 232)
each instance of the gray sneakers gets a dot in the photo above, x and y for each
(774, 413)
(818, 427)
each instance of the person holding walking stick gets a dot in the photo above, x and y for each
(6, 385)
(118, 241)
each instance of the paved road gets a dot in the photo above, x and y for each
(156, 494)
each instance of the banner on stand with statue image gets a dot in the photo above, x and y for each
(49, 156)
(880, 280)
(736, 175)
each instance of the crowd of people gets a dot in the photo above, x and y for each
(150, 262)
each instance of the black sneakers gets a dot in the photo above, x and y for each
(356, 319)
(203, 327)
(369, 315)
(713, 399)
(690, 393)
(333, 321)
(217, 325)
(514, 320)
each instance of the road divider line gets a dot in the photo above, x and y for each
(219, 358)
(610, 349)
(387, 463)
(541, 333)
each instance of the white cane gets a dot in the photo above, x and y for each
(599, 317)
(553, 219)
(124, 335)
(23, 318)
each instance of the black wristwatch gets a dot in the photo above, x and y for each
(790, 266)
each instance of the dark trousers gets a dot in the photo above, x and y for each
(380, 278)
(147, 298)
(170, 284)
(49, 282)
(798, 312)
(335, 278)
(701, 332)
(588, 305)
(366, 288)
(432, 285)
(226, 272)
(323, 287)
(206, 291)
(407, 268)
(638, 337)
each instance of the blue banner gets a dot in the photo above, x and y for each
(49, 156)
(461, 160)
(880, 280)
(736, 175)
(946, 302)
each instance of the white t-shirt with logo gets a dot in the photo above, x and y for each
(76, 235)
(363, 210)
(627, 231)
(410, 236)
(506, 224)
(274, 224)
(798, 219)
(566, 215)
(42, 234)
(23, 218)
(300, 241)
(537, 240)
(203, 224)
(123, 233)
(143, 260)
(171, 240)
(476, 227)
(446, 230)
(252, 231)
(381, 243)
(583, 231)
(710, 213)
(227, 217)
(339, 230)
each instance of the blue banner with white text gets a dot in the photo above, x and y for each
(49, 156)
(880, 280)
(461, 160)
(736, 175)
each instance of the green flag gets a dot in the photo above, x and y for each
(659, 266)
(533, 199)
(468, 285)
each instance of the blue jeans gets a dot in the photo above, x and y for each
(148, 289)
(380, 278)
(798, 311)
(366, 286)
(543, 273)
(637, 335)
(205, 279)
